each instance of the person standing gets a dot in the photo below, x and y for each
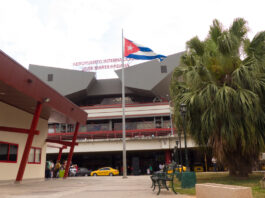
(161, 167)
(151, 169)
(214, 161)
(56, 169)
(148, 171)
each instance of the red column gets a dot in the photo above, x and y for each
(167, 156)
(25, 156)
(70, 155)
(60, 154)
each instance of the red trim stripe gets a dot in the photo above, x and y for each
(17, 130)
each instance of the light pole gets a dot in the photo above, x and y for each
(177, 152)
(183, 111)
(170, 115)
(180, 153)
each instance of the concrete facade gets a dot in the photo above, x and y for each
(130, 111)
(132, 144)
(209, 190)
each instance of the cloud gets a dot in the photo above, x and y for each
(58, 33)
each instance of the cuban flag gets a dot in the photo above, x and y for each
(136, 51)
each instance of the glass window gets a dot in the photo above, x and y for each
(107, 169)
(50, 77)
(13, 153)
(3, 152)
(37, 155)
(31, 155)
(163, 69)
(8, 152)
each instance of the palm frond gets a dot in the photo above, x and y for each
(256, 47)
(196, 45)
(239, 28)
(215, 30)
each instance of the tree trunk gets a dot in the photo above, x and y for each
(232, 172)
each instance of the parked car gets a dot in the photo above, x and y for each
(105, 171)
(178, 168)
(72, 171)
(83, 172)
(198, 167)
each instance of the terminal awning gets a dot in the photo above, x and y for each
(22, 89)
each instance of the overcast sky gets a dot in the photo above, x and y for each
(59, 32)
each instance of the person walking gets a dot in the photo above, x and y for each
(56, 169)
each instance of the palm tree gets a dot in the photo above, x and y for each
(222, 82)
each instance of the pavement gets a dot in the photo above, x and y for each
(84, 187)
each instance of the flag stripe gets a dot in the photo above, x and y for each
(145, 53)
(144, 57)
(145, 49)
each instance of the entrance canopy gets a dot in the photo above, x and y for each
(23, 90)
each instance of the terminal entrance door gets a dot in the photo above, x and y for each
(135, 166)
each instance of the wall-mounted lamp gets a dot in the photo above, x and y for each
(46, 100)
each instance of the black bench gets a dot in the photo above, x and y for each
(161, 178)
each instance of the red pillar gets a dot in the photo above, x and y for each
(25, 156)
(60, 154)
(167, 156)
(70, 155)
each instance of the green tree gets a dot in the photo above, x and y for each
(222, 81)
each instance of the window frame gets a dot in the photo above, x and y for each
(8, 152)
(163, 69)
(34, 161)
(50, 77)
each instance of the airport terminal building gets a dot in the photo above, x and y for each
(150, 137)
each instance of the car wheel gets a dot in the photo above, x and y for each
(95, 174)
(111, 174)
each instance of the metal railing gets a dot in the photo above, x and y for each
(136, 133)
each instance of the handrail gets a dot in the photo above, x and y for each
(116, 134)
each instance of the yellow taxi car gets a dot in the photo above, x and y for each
(177, 169)
(106, 171)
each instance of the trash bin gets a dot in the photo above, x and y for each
(188, 180)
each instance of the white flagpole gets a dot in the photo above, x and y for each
(123, 116)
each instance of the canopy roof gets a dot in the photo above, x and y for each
(21, 89)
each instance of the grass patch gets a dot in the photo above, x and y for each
(224, 178)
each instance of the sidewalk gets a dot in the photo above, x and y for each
(83, 187)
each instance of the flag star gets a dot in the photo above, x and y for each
(130, 48)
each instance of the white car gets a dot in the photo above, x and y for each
(72, 171)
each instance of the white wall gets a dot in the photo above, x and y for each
(130, 111)
(132, 144)
(13, 117)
